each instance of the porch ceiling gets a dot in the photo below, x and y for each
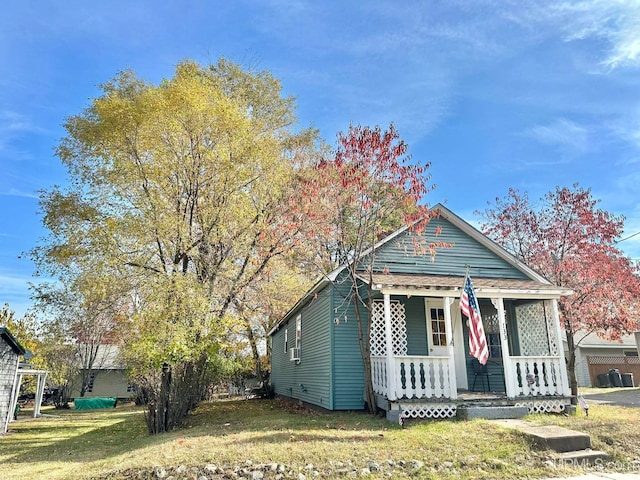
(430, 285)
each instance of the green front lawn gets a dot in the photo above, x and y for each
(237, 435)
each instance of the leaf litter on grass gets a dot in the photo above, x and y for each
(229, 434)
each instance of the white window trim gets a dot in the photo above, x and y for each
(286, 340)
(298, 331)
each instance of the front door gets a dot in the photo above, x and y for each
(436, 328)
(437, 336)
(460, 359)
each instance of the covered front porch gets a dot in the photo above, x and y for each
(420, 365)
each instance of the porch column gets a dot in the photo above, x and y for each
(13, 400)
(563, 365)
(509, 377)
(453, 390)
(388, 334)
(42, 379)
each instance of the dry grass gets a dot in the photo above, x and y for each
(114, 444)
(613, 429)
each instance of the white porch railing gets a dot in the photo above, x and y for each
(414, 377)
(535, 376)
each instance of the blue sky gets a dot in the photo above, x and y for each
(496, 94)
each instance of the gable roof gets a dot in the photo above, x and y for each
(11, 341)
(537, 285)
(107, 357)
(485, 241)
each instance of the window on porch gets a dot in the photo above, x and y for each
(438, 330)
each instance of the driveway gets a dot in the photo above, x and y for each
(627, 397)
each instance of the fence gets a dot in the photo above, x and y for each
(601, 364)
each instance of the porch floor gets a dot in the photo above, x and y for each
(468, 396)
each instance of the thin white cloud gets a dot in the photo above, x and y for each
(452, 41)
(13, 124)
(407, 52)
(627, 127)
(14, 192)
(13, 121)
(616, 22)
(564, 134)
(13, 284)
(627, 188)
(15, 287)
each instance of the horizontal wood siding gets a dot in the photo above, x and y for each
(398, 255)
(348, 368)
(310, 379)
(107, 383)
(8, 366)
(416, 325)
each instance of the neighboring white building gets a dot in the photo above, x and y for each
(595, 356)
(109, 378)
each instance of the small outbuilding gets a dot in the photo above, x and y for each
(10, 351)
(107, 376)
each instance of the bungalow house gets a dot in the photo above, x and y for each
(419, 338)
(10, 351)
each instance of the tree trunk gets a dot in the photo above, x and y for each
(255, 352)
(571, 367)
(162, 413)
(369, 394)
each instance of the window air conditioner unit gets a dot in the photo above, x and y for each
(294, 354)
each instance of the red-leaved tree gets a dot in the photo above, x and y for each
(367, 190)
(572, 243)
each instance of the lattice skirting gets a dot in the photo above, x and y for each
(439, 410)
(544, 406)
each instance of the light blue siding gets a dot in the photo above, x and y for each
(348, 368)
(399, 256)
(310, 379)
(416, 325)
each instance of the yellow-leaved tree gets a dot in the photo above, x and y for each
(180, 191)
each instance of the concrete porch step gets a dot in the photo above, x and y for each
(469, 412)
(572, 447)
(557, 438)
(581, 458)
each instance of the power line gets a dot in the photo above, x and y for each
(627, 238)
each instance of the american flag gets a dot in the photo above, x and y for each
(469, 306)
